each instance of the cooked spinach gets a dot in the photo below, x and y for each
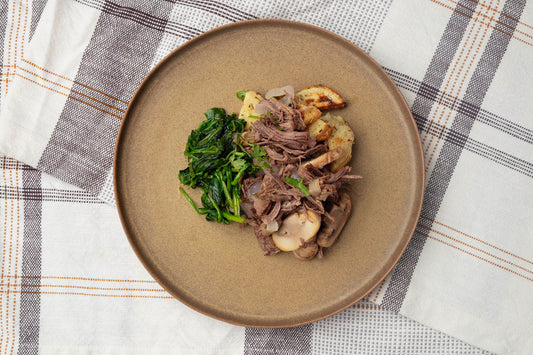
(299, 184)
(216, 163)
(241, 94)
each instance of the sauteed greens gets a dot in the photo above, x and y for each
(217, 162)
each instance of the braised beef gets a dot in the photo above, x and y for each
(281, 134)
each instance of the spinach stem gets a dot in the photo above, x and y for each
(234, 218)
(188, 198)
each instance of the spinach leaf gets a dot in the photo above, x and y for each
(216, 164)
(299, 184)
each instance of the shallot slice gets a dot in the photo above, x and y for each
(279, 92)
(261, 108)
(314, 188)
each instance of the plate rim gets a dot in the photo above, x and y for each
(410, 122)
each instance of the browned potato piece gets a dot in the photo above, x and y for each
(342, 137)
(309, 113)
(247, 112)
(320, 130)
(320, 97)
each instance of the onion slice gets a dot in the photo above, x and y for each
(314, 188)
(279, 92)
(272, 227)
(261, 108)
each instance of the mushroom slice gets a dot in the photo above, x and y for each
(321, 97)
(326, 158)
(306, 252)
(297, 229)
(339, 214)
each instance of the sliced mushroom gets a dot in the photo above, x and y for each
(330, 230)
(307, 251)
(326, 158)
(296, 229)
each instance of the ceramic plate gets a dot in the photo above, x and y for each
(220, 270)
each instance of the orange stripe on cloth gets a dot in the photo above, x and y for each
(18, 239)
(87, 287)
(71, 90)
(488, 25)
(79, 278)
(487, 17)
(74, 81)
(477, 239)
(10, 255)
(8, 57)
(70, 96)
(501, 13)
(91, 294)
(445, 90)
(4, 239)
(477, 256)
(367, 306)
(455, 93)
(475, 248)
(379, 290)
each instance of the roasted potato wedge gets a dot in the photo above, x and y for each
(310, 114)
(247, 112)
(320, 130)
(320, 97)
(341, 137)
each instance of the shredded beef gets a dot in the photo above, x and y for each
(281, 133)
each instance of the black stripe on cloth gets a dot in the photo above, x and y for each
(357, 21)
(4, 11)
(434, 77)
(217, 8)
(440, 63)
(47, 195)
(143, 18)
(30, 299)
(483, 116)
(13, 164)
(451, 151)
(468, 109)
(289, 341)
(117, 58)
(37, 7)
(463, 141)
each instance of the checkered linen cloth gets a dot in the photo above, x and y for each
(70, 283)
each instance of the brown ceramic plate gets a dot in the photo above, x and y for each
(219, 270)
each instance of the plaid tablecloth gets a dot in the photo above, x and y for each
(70, 282)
